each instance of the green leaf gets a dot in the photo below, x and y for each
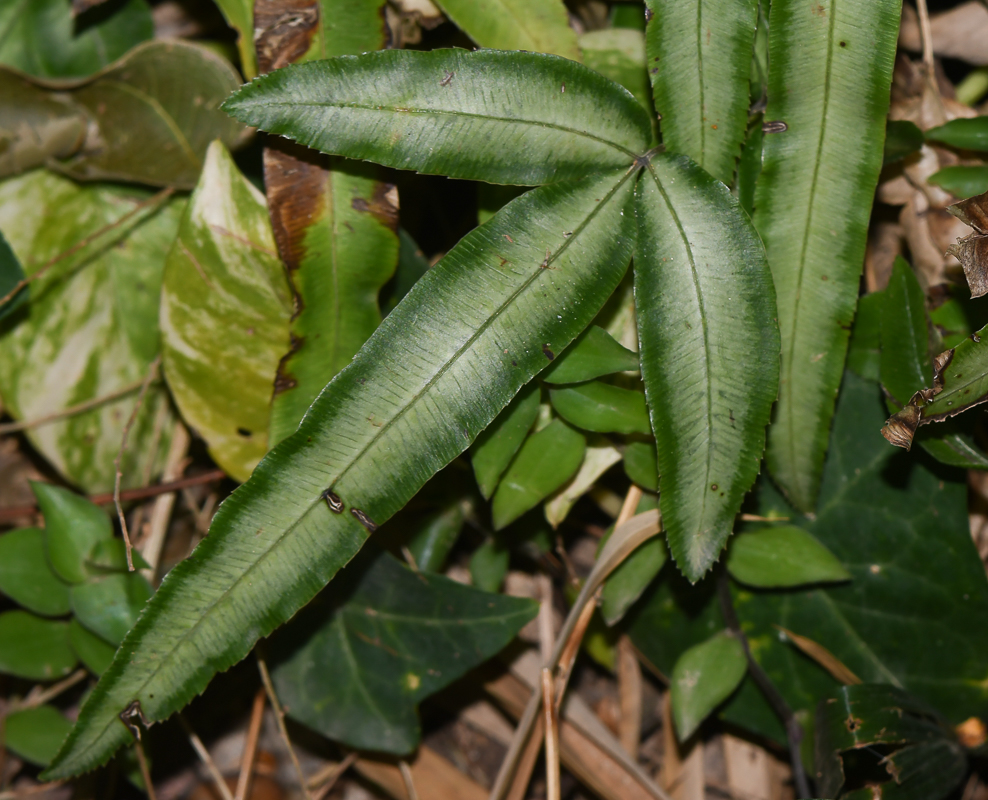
(864, 353)
(829, 76)
(45, 39)
(709, 352)
(633, 575)
(905, 363)
(337, 266)
(619, 54)
(239, 15)
(496, 446)
(34, 648)
(26, 577)
(784, 555)
(965, 133)
(931, 764)
(431, 543)
(600, 456)
(225, 307)
(597, 406)
(699, 55)
(489, 565)
(703, 678)
(594, 353)
(110, 555)
(380, 640)
(412, 265)
(547, 459)
(36, 124)
(109, 606)
(398, 108)
(641, 464)
(73, 528)
(149, 90)
(10, 275)
(539, 26)
(109, 337)
(902, 138)
(446, 341)
(961, 181)
(35, 734)
(965, 380)
(94, 652)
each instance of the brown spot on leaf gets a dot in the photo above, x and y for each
(900, 428)
(333, 501)
(364, 520)
(383, 205)
(130, 717)
(547, 352)
(283, 31)
(940, 363)
(852, 724)
(774, 126)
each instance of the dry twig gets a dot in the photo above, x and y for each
(406, 776)
(207, 760)
(71, 411)
(279, 716)
(550, 722)
(250, 746)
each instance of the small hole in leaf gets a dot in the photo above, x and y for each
(244, 432)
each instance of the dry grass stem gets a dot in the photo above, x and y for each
(406, 776)
(526, 763)
(71, 411)
(207, 760)
(41, 788)
(165, 503)
(629, 681)
(250, 746)
(142, 762)
(550, 722)
(329, 776)
(38, 696)
(279, 716)
(152, 372)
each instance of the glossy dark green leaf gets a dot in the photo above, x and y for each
(109, 606)
(905, 364)
(45, 39)
(239, 15)
(489, 565)
(225, 311)
(600, 407)
(782, 556)
(99, 236)
(35, 734)
(539, 26)
(930, 765)
(864, 352)
(709, 352)
(961, 181)
(699, 55)
(703, 678)
(94, 652)
(446, 341)
(437, 534)
(34, 648)
(902, 138)
(829, 78)
(438, 112)
(965, 379)
(547, 459)
(73, 527)
(965, 133)
(149, 91)
(898, 522)
(641, 464)
(357, 662)
(27, 578)
(496, 446)
(594, 353)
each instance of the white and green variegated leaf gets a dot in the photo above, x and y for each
(454, 113)
(699, 56)
(436, 372)
(709, 352)
(830, 68)
(91, 326)
(225, 309)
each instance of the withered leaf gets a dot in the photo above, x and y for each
(940, 363)
(972, 250)
(900, 428)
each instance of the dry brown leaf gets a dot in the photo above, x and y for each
(750, 772)
(822, 655)
(884, 245)
(972, 250)
(960, 32)
(682, 764)
(430, 773)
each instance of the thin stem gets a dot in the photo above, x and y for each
(926, 35)
(406, 777)
(279, 716)
(327, 779)
(551, 723)
(71, 411)
(206, 759)
(142, 762)
(152, 372)
(161, 196)
(250, 746)
(794, 731)
(38, 697)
